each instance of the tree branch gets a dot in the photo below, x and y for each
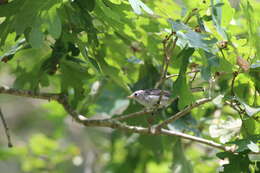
(114, 122)
(6, 129)
(183, 112)
(233, 82)
(17, 92)
(141, 130)
(194, 138)
(132, 115)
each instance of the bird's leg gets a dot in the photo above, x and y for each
(150, 121)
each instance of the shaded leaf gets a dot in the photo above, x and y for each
(180, 162)
(54, 23)
(180, 86)
(36, 37)
(237, 162)
(247, 143)
(86, 4)
(119, 107)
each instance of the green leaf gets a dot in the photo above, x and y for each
(144, 79)
(73, 74)
(218, 100)
(29, 73)
(112, 72)
(191, 38)
(180, 87)
(225, 129)
(137, 5)
(27, 18)
(212, 62)
(54, 23)
(86, 4)
(109, 13)
(253, 147)
(197, 40)
(36, 37)
(5, 29)
(119, 107)
(250, 110)
(180, 162)
(247, 143)
(148, 143)
(10, 53)
(217, 17)
(178, 25)
(10, 8)
(237, 162)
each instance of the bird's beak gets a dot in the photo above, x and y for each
(130, 97)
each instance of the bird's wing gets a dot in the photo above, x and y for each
(157, 92)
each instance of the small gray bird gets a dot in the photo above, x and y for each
(150, 97)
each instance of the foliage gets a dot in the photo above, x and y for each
(98, 51)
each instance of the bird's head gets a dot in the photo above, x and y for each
(137, 95)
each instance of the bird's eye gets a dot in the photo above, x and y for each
(135, 94)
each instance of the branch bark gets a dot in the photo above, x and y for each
(8, 136)
(114, 122)
(132, 115)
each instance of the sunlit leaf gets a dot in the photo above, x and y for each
(253, 147)
(251, 111)
(225, 130)
(137, 5)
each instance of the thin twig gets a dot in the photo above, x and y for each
(193, 78)
(183, 112)
(240, 111)
(233, 82)
(174, 75)
(6, 130)
(167, 58)
(167, 62)
(132, 115)
(233, 106)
